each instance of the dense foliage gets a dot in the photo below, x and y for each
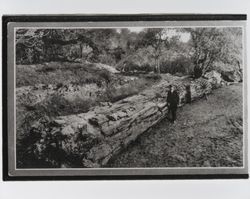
(151, 49)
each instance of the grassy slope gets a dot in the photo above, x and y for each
(114, 87)
(208, 133)
(60, 73)
(55, 105)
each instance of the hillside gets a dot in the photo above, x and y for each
(56, 89)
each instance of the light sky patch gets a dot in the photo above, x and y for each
(184, 37)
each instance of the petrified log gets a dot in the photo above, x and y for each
(91, 139)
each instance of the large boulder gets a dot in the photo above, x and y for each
(214, 78)
(232, 76)
(229, 72)
(91, 139)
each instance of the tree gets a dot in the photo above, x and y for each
(158, 40)
(29, 45)
(35, 45)
(208, 46)
(232, 50)
(129, 43)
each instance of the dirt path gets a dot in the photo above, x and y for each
(208, 133)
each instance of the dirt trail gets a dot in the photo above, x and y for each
(207, 133)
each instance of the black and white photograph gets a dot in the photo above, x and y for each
(162, 98)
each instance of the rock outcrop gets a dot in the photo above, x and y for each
(91, 139)
(232, 76)
(31, 95)
(229, 72)
(214, 78)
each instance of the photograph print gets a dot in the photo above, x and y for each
(162, 99)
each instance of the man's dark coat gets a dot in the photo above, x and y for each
(173, 99)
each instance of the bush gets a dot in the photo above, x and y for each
(179, 65)
(57, 105)
(153, 76)
(132, 67)
(104, 74)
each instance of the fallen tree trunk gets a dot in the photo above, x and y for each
(91, 139)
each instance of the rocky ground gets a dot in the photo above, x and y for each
(208, 133)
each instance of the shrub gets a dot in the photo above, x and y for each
(106, 75)
(57, 105)
(153, 76)
(179, 65)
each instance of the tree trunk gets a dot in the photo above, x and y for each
(106, 130)
(158, 66)
(81, 54)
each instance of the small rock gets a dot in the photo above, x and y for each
(59, 121)
(179, 157)
(89, 164)
(206, 163)
(53, 145)
(67, 130)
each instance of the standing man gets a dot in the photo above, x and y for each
(172, 101)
